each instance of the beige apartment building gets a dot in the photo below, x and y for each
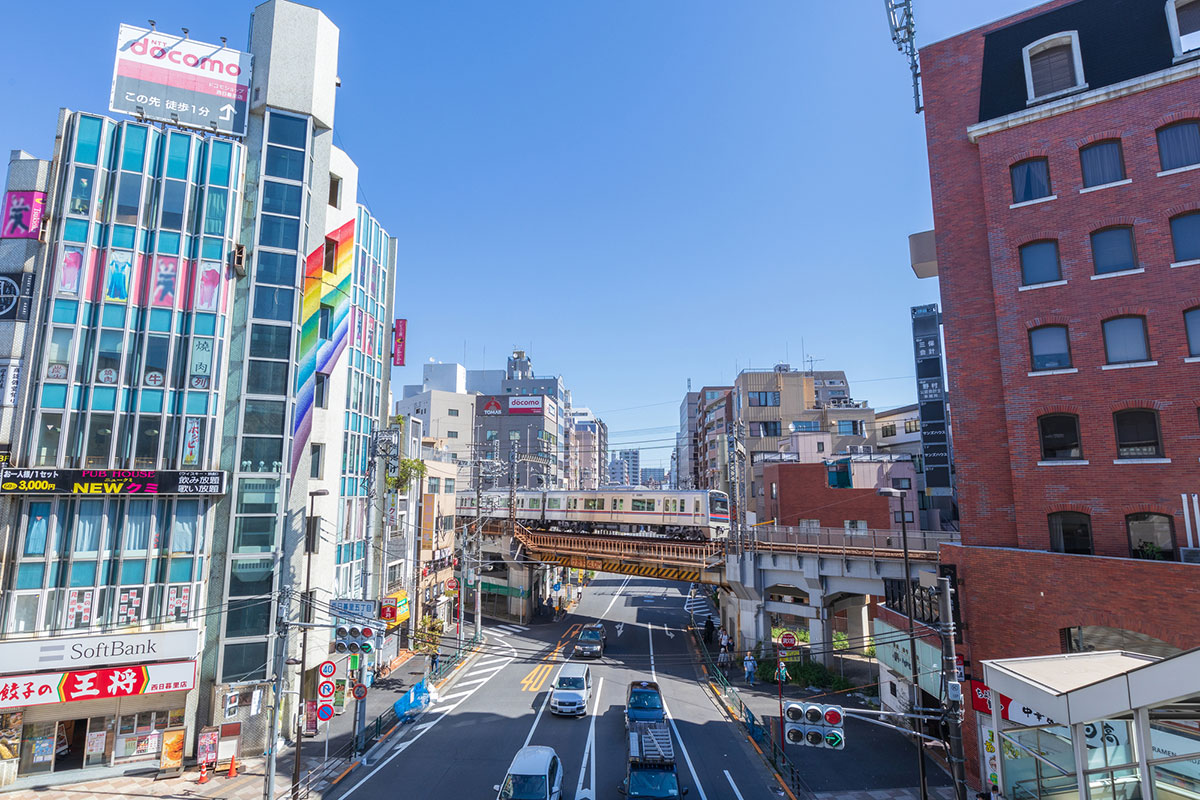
(435, 565)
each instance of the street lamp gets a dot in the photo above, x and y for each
(912, 641)
(312, 533)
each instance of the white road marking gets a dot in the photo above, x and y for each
(472, 682)
(491, 661)
(616, 594)
(667, 631)
(537, 719)
(455, 696)
(589, 753)
(518, 627)
(511, 628)
(671, 719)
(733, 785)
(497, 632)
(620, 628)
(486, 670)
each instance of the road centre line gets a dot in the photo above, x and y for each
(536, 720)
(671, 719)
(589, 750)
(733, 785)
(616, 594)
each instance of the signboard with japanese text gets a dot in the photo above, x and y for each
(400, 334)
(174, 79)
(111, 481)
(10, 382)
(310, 717)
(893, 651)
(191, 441)
(108, 650)
(981, 702)
(16, 296)
(23, 212)
(206, 745)
(36, 689)
(931, 397)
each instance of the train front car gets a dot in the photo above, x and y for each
(718, 515)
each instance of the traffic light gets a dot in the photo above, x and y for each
(353, 639)
(814, 725)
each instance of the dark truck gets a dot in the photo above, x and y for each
(652, 774)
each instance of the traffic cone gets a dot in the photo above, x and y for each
(232, 767)
(203, 772)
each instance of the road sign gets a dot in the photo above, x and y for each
(325, 689)
(360, 691)
(788, 639)
(557, 586)
(354, 608)
(325, 712)
(452, 583)
(327, 669)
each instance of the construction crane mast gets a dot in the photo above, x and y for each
(904, 34)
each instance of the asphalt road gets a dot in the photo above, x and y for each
(462, 747)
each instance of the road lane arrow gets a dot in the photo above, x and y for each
(620, 628)
(667, 631)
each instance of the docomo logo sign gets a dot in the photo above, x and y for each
(525, 405)
(170, 51)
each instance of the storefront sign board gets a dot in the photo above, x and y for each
(111, 481)
(97, 684)
(74, 652)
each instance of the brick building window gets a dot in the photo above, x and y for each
(1191, 321)
(1030, 180)
(1183, 18)
(1179, 145)
(1053, 66)
(1070, 532)
(1102, 163)
(1151, 536)
(1185, 233)
(1125, 340)
(1137, 433)
(1059, 435)
(1049, 348)
(1112, 250)
(1039, 263)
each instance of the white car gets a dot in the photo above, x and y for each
(572, 690)
(535, 774)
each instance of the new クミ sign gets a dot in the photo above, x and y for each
(110, 481)
(174, 79)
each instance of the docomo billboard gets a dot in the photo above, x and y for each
(178, 80)
(525, 405)
(38, 689)
(74, 652)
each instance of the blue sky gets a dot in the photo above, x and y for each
(637, 192)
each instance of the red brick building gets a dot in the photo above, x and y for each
(1064, 149)
(805, 495)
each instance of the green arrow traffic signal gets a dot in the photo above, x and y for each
(834, 739)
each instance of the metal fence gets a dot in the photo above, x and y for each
(777, 537)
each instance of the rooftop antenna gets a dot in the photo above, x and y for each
(810, 360)
(904, 35)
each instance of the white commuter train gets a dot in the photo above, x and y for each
(700, 514)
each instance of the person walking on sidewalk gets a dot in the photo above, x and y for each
(722, 637)
(751, 666)
(708, 631)
(723, 661)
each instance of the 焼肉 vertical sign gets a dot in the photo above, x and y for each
(170, 78)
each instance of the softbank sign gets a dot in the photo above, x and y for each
(525, 405)
(71, 652)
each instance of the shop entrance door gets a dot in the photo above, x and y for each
(69, 744)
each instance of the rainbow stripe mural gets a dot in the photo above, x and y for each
(317, 355)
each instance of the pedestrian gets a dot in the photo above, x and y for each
(723, 661)
(708, 630)
(722, 637)
(751, 665)
(436, 658)
(994, 794)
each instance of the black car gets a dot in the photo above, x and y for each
(590, 641)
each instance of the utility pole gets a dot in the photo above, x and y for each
(953, 713)
(280, 661)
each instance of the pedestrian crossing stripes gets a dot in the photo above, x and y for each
(513, 628)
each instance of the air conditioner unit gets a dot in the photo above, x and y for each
(1189, 555)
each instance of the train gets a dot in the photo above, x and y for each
(699, 514)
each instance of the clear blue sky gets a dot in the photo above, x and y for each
(637, 192)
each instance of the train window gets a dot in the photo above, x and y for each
(594, 504)
(553, 502)
(643, 505)
(535, 503)
(618, 504)
(696, 506)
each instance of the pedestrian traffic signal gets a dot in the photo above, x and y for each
(353, 639)
(814, 725)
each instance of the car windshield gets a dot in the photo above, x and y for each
(645, 699)
(589, 636)
(652, 783)
(570, 683)
(524, 787)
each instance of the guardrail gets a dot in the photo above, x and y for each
(885, 542)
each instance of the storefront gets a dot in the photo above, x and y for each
(96, 701)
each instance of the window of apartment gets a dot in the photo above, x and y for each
(806, 426)
(330, 255)
(1191, 321)
(855, 524)
(317, 453)
(1112, 250)
(908, 516)
(451, 434)
(1183, 18)
(1053, 66)
(489, 436)
(325, 322)
(1151, 536)
(1102, 163)
(453, 412)
(820, 447)
(1059, 434)
(1070, 532)
(1039, 263)
(1125, 340)
(850, 427)
(1185, 233)
(1030, 180)
(912, 426)
(448, 487)
(1137, 433)
(762, 429)
(321, 390)
(901, 483)
(763, 398)
(888, 430)
(1179, 145)
(335, 191)
(1049, 348)
(435, 485)
(774, 490)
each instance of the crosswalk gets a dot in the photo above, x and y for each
(701, 608)
(506, 630)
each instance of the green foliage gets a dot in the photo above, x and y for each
(410, 468)
(809, 673)
(801, 635)
(429, 635)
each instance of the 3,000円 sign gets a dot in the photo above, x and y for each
(110, 481)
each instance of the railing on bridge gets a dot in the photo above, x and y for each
(667, 552)
(922, 545)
